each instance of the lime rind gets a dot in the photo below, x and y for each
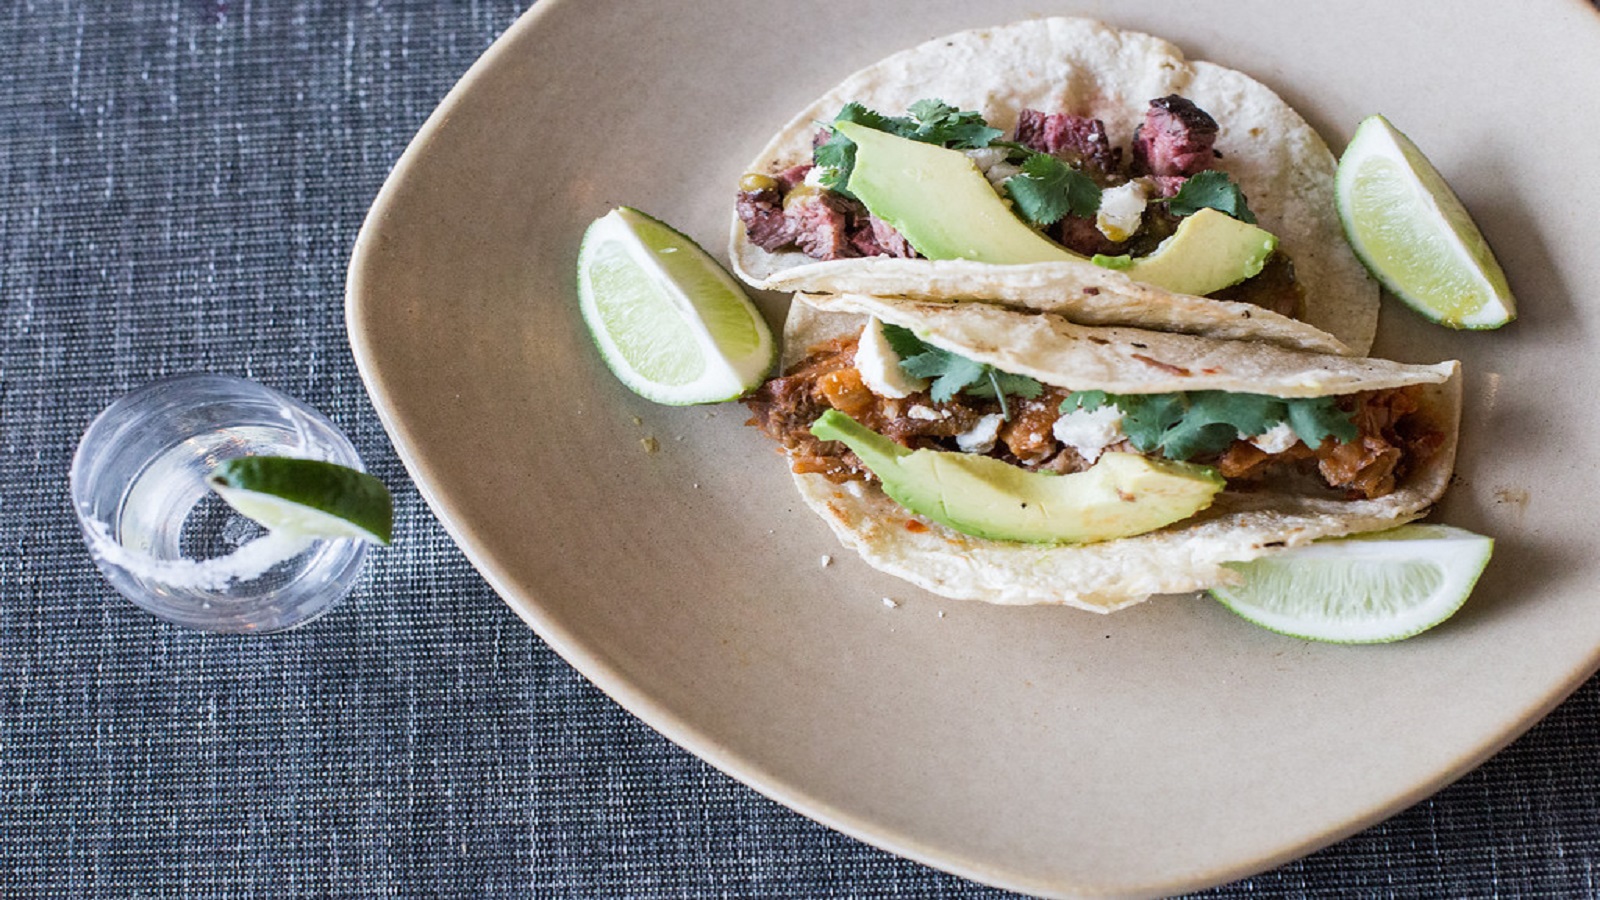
(1413, 233)
(667, 318)
(306, 497)
(1365, 589)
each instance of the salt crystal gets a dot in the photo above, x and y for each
(250, 561)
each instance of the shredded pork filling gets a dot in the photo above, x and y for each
(1391, 438)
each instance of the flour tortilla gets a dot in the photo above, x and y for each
(1086, 68)
(1186, 556)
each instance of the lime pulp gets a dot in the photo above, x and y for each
(1366, 589)
(668, 320)
(1414, 235)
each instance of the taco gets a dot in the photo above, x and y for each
(1105, 142)
(1307, 445)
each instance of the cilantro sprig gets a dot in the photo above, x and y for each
(1187, 424)
(1047, 189)
(930, 121)
(953, 373)
(1211, 189)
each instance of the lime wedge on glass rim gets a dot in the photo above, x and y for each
(1365, 589)
(1413, 234)
(669, 321)
(306, 497)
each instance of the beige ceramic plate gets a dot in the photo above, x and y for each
(1163, 748)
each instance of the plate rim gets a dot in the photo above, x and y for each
(636, 699)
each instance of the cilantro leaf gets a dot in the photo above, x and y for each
(1316, 418)
(1048, 189)
(950, 372)
(1002, 383)
(1210, 189)
(837, 156)
(1184, 425)
(1147, 417)
(1089, 401)
(953, 373)
(903, 342)
(940, 123)
(1215, 419)
(931, 122)
(998, 384)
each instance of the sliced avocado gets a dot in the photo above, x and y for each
(1121, 495)
(1210, 250)
(940, 202)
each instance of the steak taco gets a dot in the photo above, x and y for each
(1064, 166)
(1016, 457)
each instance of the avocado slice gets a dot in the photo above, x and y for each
(1121, 495)
(939, 201)
(1210, 250)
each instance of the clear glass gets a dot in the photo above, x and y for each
(168, 543)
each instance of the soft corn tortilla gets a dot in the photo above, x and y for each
(1187, 556)
(1086, 68)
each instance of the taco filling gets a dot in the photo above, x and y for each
(1350, 446)
(1059, 173)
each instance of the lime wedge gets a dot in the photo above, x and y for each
(1412, 233)
(1367, 589)
(671, 323)
(306, 497)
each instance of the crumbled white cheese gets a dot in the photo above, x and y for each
(1090, 432)
(925, 413)
(980, 438)
(991, 161)
(986, 158)
(999, 174)
(815, 175)
(879, 365)
(1276, 439)
(1121, 210)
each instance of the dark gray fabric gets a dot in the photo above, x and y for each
(180, 184)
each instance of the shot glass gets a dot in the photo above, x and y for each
(167, 542)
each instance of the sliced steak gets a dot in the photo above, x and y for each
(1075, 139)
(1079, 234)
(764, 220)
(821, 222)
(1176, 138)
(887, 241)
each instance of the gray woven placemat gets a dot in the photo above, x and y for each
(180, 185)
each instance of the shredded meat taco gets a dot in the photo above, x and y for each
(1303, 445)
(1104, 143)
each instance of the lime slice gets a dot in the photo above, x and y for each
(1367, 589)
(306, 497)
(1413, 234)
(671, 323)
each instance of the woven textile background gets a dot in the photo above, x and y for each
(180, 185)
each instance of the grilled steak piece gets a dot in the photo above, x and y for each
(821, 221)
(1080, 235)
(1075, 139)
(1176, 138)
(764, 219)
(886, 241)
